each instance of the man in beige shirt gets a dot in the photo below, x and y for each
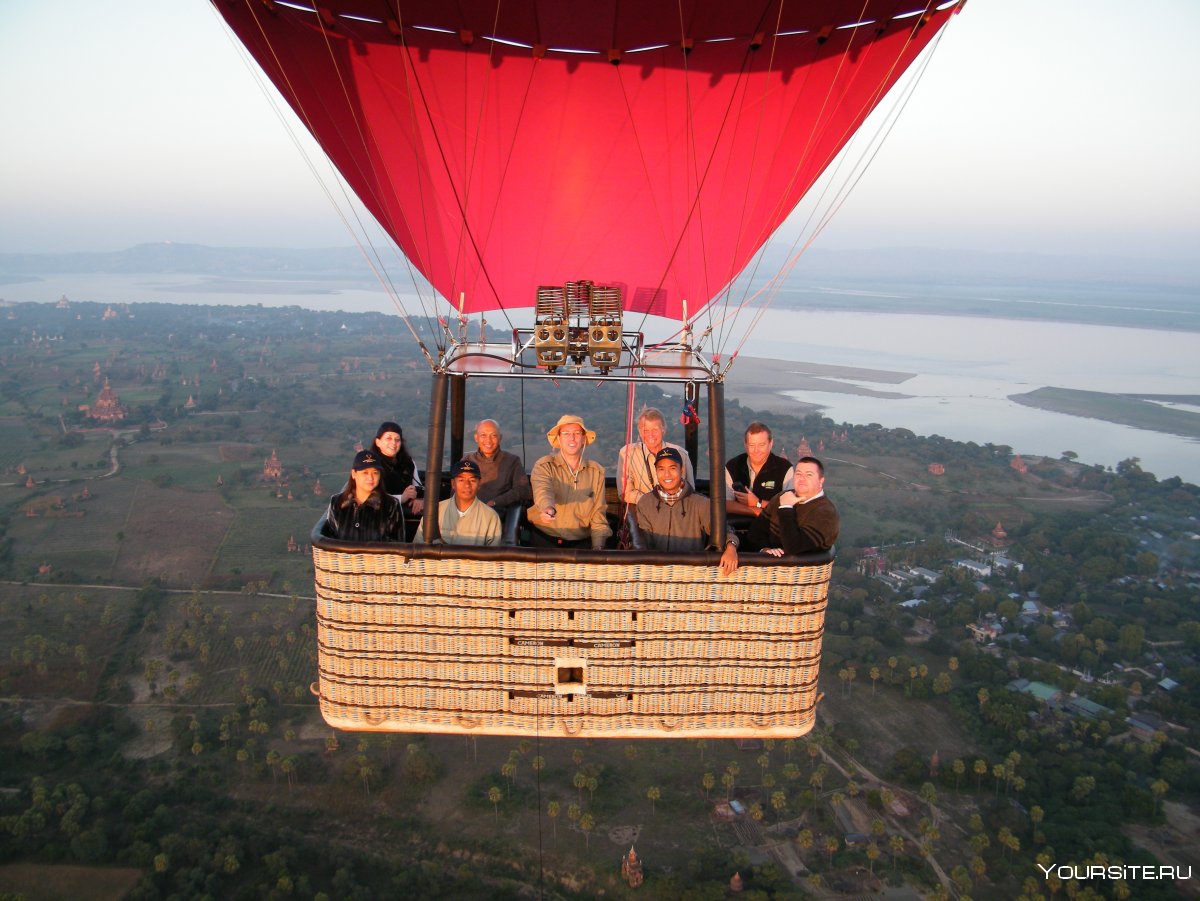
(568, 491)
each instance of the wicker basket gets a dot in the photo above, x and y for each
(603, 644)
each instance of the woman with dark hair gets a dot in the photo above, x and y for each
(363, 511)
(400, 476)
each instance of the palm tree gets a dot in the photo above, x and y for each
(288, 765)
(959, 768)
(580, 781)
(1158, 788)
(896, 846)
(779, 804)
(653, 793)
(708, 780)
(980, 769)
(831, 844)
(872, 856)
(805, 839)
(763, 761)
(552, 811)
(494, 795)
(365, 772)
(587, 823)
(875, 674)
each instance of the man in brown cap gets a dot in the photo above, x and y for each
(568, 491)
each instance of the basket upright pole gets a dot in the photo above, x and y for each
(458, 413)
(716, 460)
(433, 460)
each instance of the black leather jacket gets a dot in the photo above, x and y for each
(378, 518)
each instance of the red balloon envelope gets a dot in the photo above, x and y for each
(650, 145)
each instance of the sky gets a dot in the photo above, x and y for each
(1049, 126)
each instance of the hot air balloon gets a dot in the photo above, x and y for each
(571, 164)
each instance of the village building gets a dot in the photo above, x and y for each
(979, 570)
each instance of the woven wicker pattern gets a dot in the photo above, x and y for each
(415, 644)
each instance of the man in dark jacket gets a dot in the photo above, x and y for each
(363, 511)
(674, 518)
(753, 478)
(801, 519)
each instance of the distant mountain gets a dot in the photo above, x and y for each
(924, 264)
(193, 259)
(911, 265)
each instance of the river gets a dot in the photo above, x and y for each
(963, 368)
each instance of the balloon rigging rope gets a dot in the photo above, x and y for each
(840, 195)
(801, 160)
(371, 256)
(366, 145)
(469, 166)
(458, 198)
(714, 325)
(700, 174)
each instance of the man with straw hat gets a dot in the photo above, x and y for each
(568, 491)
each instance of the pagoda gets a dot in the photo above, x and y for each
(631, 869)
(1019, 465)
(804, 449)
(937, 469)
(998, 537)
(107, 407)
(272, 468)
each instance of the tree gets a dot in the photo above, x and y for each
(653, 793)
(959, 767)
(1130, 640)
(779, 804)
(552, 811)
(875, 674)
(831, 845)
(365, 772)
(763, 761)
(1158, 788)
(980, 769)
(587, 823)
(708, 780)
(872, 856)
(494, 795)
(288, 765)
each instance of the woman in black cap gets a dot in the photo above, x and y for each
(399, 470)
(363, 511)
